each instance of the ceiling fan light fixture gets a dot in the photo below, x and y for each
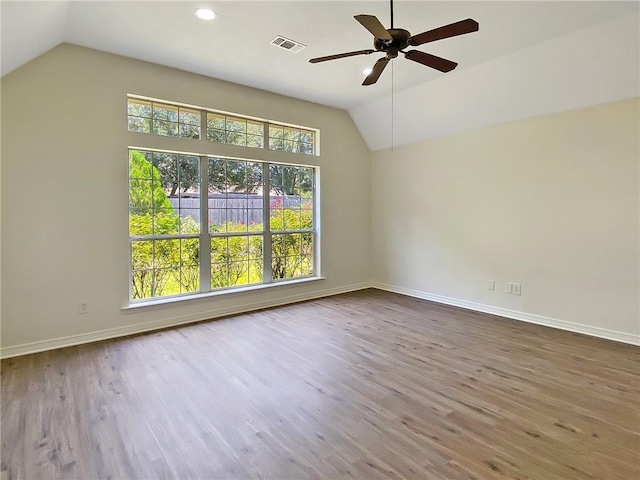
(205, 14)
(367, 71)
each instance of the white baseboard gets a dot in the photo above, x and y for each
(34, 347)
(622, 337)
(41, 346)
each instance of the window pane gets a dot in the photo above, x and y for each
(164, 281)
(166, 253)
(219, 251)
(255, 128)
(254, 176)
(189, 221)
(215, 121)
(306, 246)
(189, 131)
(238, 273)
(216, 136)
(255, 272)
(254, 219)
(275, 144)
(219, 275)
(139, 166)
(292, 219)
(238, 248)
(189, 252)
(306, 148)
(237, 220)
(306, 136)
(255, 249)
(288, 146)
(217, 175)
(140, 125)
(236, 138)
(140, 221)
(141, 255)
(165, 128)
(165, 222)
(189, 279)
(189, 174)
(236, 125)
(165, 112)
(306, 267)
(139, 108)
(191, 117)
(290, 181)
(291, 134)
(217, 220)
(276, 220)
(276, 131)
(236, 173)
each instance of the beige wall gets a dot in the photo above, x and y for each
(552, 203)
(64, 194)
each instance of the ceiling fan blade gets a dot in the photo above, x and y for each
(452, 30)
(341, 55)
(378, 67)
(372, 24)
(432, 61)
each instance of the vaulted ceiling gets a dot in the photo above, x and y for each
(527, 59)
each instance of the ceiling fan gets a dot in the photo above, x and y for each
(395, 40)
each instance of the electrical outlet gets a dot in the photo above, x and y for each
(508, 288)
(492, 284)
(515, 288)
(83, 307)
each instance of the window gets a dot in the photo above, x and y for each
(162, 119)
(291, 139)
(202, 223)
(172, 120)
(235, 130)
(164, 226)
(291, 220)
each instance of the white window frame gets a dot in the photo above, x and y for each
(205, 235)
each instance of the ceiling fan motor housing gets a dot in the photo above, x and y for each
(400, 40)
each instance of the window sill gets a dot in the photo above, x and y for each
(199, 296)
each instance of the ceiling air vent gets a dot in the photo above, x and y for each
(287, 44)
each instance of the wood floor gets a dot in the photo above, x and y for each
(367, 385)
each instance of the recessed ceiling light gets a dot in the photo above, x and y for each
(367, 71)
(205, 14)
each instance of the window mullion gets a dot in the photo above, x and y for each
(205, 242)
(204, 133)
(266, 227)
(265, 133)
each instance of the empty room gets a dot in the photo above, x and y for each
(320, 240)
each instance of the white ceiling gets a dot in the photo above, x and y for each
(525, 60)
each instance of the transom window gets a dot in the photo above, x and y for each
(203, 223)
(163, 119)
(235, 130)
(173, 120)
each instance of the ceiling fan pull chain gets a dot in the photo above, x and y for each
(392, 122)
